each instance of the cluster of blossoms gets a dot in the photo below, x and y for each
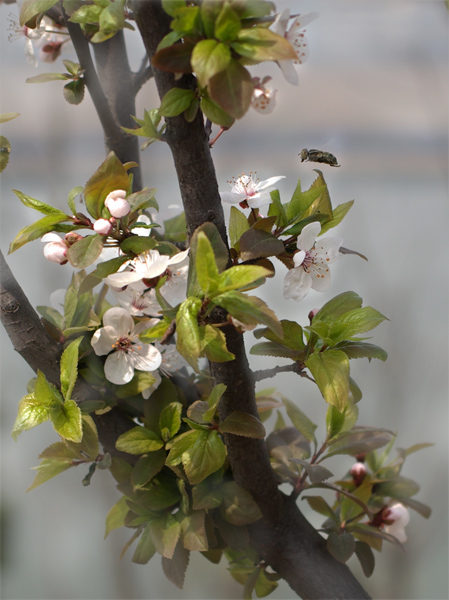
(264, 98)
(48, 37)
(392, 518)
(313, 257)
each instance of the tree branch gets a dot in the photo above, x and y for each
(282, 537)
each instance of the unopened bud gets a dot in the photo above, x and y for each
(103, 226)
(55, 248)
(358, 472)
(312, 314)
(117, 204)
(72, 237)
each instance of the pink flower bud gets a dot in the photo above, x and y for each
(72, 237)
(312, 314)
(117, 204)
(102, 226)
(55, 249)
(358, 472)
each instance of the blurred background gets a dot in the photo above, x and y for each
(374, 92)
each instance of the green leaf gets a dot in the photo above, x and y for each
(110, 176)
(31, 8)
(330, 370)
(355, 322)
(112, 18)
(238, 224)
(4, 117)
(137, 244)
(141, 381)
(175, 568)
(138, 440)
(145, 549)
(274, 349)
(85, 251)
(103, 270)
(49, 468)
(316, 473)
(400, 486)
(238, 506)
(302, 423)
(143, 200)
(44, 77)
(38, 205)
(170, 420)
(152, 333)
(359, 440)
(213, 344)
(220, 252)
(74, 91)
(339, 213)
(31, 412)
(322, 204)
(277, 209)
(232, 89)
(5, 150)
(74, 192)
(319, 505)
(116, 516)
(362, 350)
(209, 57)
(174, 58)
(165, 533)
(248, 309)
(188, 342)
(206, 456)
(67, 421)
(342, 546)
(242, 277)
(256, 243)
(366, 558)
(179, 445)
(259, 44)
(176, 101)
(334, 421)
(69, 368)
(194, 531)
(292, 335)
(244, 424)
(338, 306)
(227, 24)
(147, 467)
(301, 201)
(36, 230)
(206, 267)
(215, 113)
(206, 495)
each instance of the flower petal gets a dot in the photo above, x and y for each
(321, 279)
(308, 235)
(120, 319)
(297, 284)
(103, 339)
(232, 197)
(118, 368)
(263, 185)
(145, 357)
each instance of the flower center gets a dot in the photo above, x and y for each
(123, 344)
(313, 264)
(153, 281)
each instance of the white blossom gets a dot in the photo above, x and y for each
(295, 35)
(396, 518)
(248, 192)
(118, 338)
(55, 248)
(312, 262)
(264, 99)
(172, 362)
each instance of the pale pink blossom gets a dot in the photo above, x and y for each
(396, 518)
(117, 204)
(55, 248)
(295, 35)
(103, 226)
(312, 262)
(119, 339)
(249, 192)
(264, 98)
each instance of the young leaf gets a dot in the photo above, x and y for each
(209, 57)
(49, 468)
(145, 549)
(37, 204)
(330, 370)
(206, 456)
(176, 101)
(188, 341)
(67, 421)
(238, 506)
(215, 113)
(31, 8)
(85, 251)
(355, 322)
(170, 420)
(241, 277)
(259, 44)
(37, 229)
(359, 440)
(248, 309)
(147, 467)
(31, 413)
(342, 546)
(232, 89)
(362, 350)
(206, 268)
(220, 253)
(227, 24)
(175, 568)
(238, 224)
(116, 516)
(165, 533)
(194, 531)
(316, 473)
(69, 368)
(110, 176)
(245, 424)
(366, 557)
(74, 91)
(338, 306)
(138, 440)
(302, 423)
(256, 243)
(213, 344)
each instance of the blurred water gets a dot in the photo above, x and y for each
(374, 92)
